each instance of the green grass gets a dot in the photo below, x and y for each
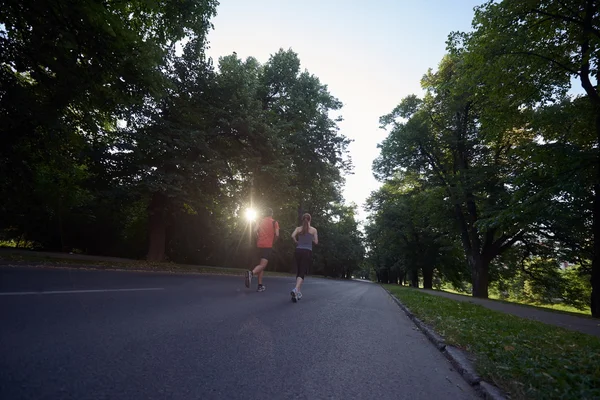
(450, 290)
(561, 308)
(133, 265)
(527, 359)
(58, 261)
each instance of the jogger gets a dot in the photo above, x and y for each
(304, 236)
(267, 230)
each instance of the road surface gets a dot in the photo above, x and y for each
(67, 334)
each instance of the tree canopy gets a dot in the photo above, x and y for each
(510, 155)
(121, 137)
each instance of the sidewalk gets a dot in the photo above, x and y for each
(590, 326)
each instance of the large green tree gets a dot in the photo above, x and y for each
(341, 248)
(258, 135)
(68, 72)
(120, 137)
(531, 52)
(411, 235)
(193, 145)
(313, 150)
(443, 138)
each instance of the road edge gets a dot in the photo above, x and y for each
(456, 356)
(92, 267)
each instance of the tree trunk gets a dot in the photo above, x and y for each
(393, 276)
(595, 279)
(480, 276)
(427, 278)
(61, 227)
(594, 97)
(385, 276)
(414, 279)
(479, 272)
(157, 227)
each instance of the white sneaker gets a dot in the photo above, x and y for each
(294, 294)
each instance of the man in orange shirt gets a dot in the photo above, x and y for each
(267, 231)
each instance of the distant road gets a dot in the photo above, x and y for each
(74, 334)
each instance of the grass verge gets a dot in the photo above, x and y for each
(562, 308)
(132, 265)
(527, 359)
(559, 308)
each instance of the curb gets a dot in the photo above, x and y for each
(436, 339)
(462, 364)
(456, 356)
(490, 392)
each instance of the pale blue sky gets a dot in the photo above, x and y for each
(370, 54)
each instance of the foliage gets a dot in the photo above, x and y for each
(443, 140)
(122, 138)
(528, 54)
(408, 235)
(515, 155)
(341, 249)
(540, 281)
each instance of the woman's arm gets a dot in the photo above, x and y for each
(294, 234)
(315, 237)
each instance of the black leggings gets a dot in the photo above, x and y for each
(303, 261)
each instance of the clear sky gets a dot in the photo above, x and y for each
(370, 54)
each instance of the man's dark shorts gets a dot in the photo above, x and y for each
(265, 252)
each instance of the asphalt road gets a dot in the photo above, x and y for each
(89, 336)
